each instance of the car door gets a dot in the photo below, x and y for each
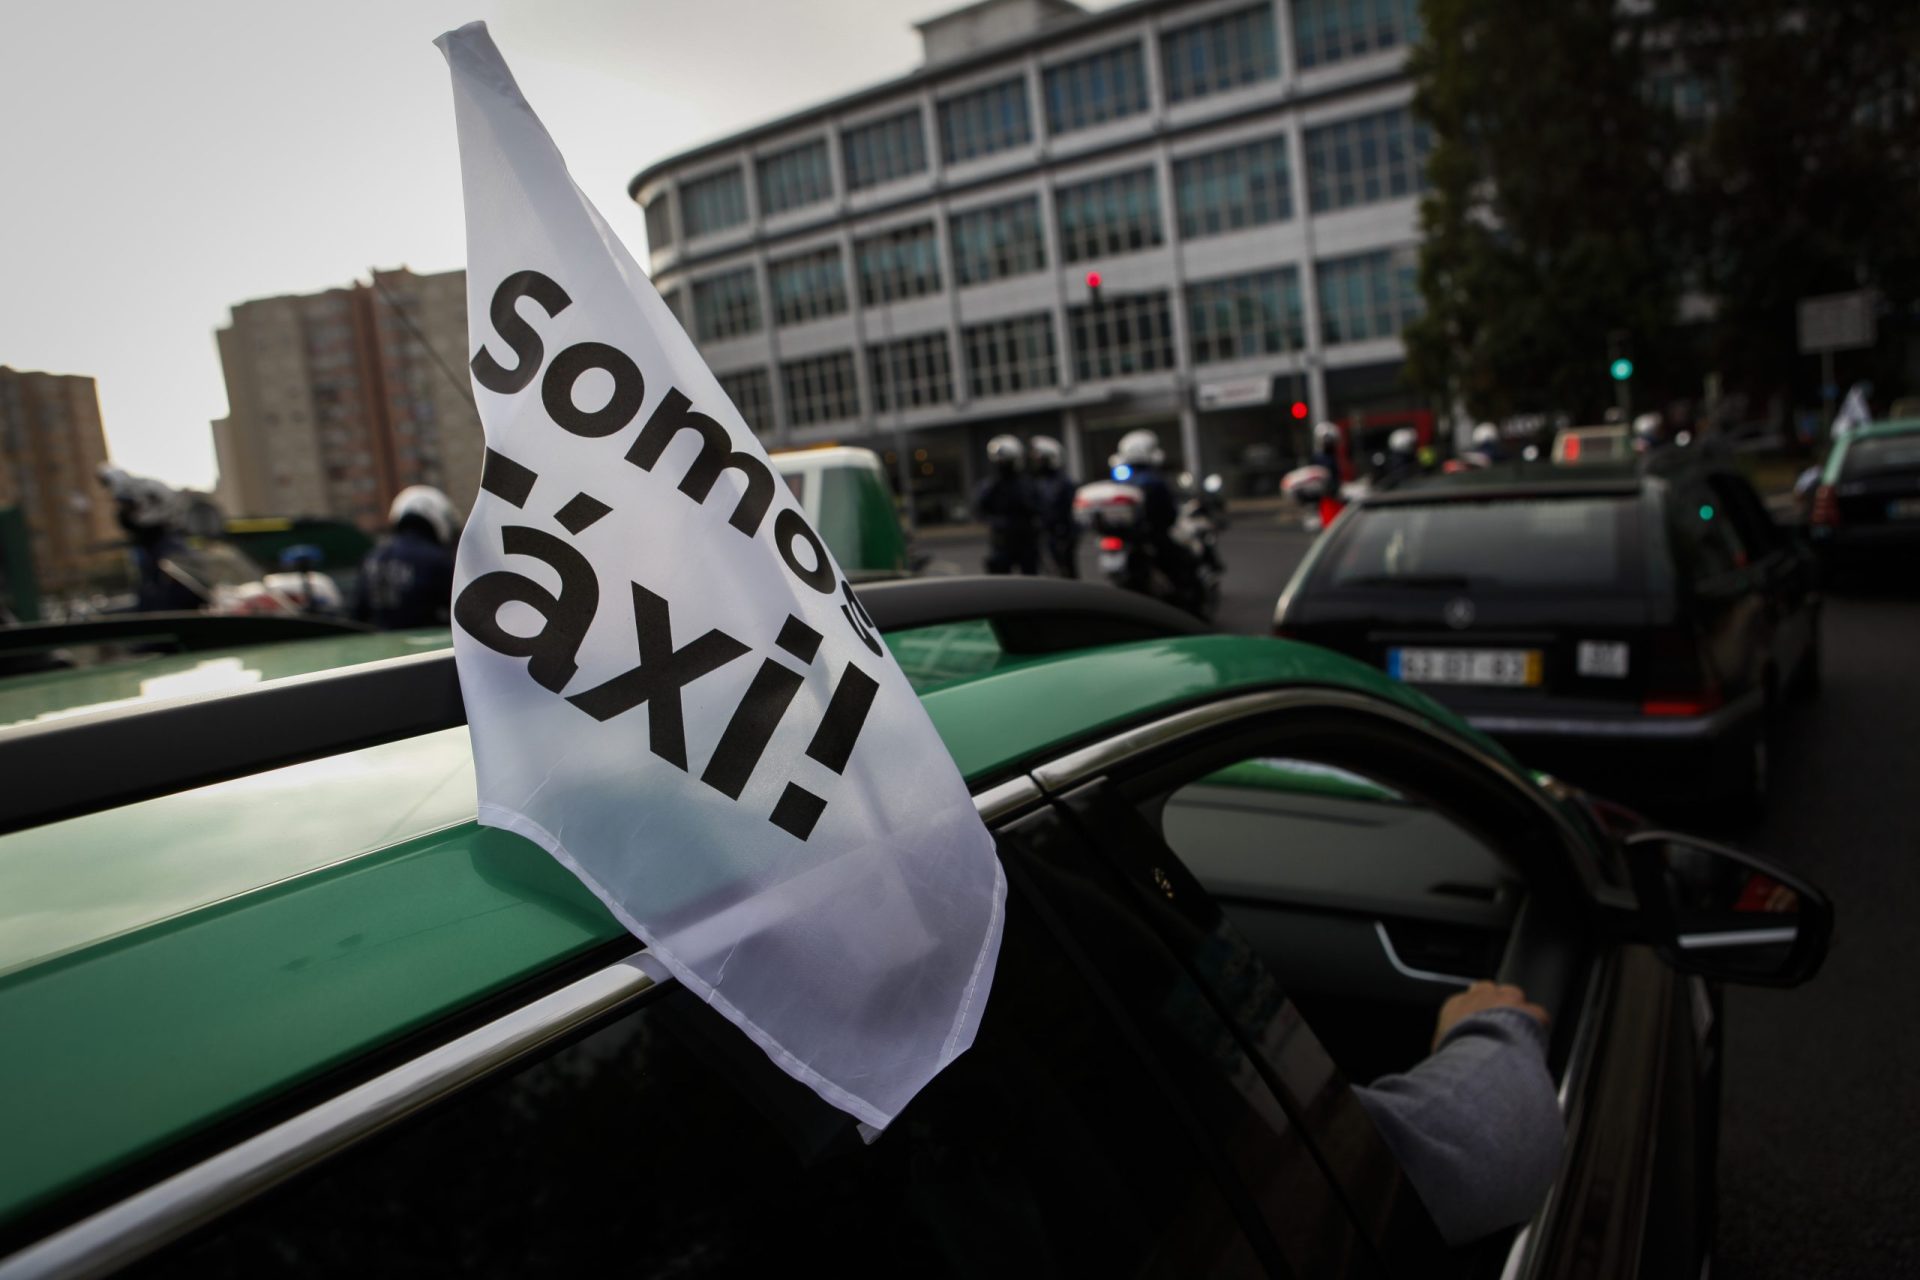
(1419, 934)
(1779, 571)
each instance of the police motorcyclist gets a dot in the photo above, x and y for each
(1649, 433)
(1139, 452)
(153, 516)
(407, 579)
(1403, 460)
(1487, 444)
(1053, 492)
(1005, 501)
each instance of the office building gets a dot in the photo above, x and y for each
(51, 450)
(914, 266)
(338, 400)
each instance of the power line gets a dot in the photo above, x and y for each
(460, 383)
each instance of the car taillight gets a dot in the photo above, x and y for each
(1111, 543)
(1572, 452)
(1826, 507)
(1679, 682)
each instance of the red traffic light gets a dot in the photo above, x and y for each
(1300, 409)
(1093, 279)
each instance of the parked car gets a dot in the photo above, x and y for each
(1865, 513)
(1634, 626)
(274, 1002)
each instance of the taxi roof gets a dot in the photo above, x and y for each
(170, 964)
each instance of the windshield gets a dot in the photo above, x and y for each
(1517, 544)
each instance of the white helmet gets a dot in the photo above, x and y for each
(1006, 450)
(1047, 450)
(429, 506)
(1326, 435)
(1647, 426)
(1140, 449)
(1403, 440)
(1485, 434)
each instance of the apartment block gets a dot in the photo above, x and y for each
(51, 449)
(338, 400)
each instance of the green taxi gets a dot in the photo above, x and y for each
(272, 1003)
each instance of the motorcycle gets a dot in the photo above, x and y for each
(1113, 512)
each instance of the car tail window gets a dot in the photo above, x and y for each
(666, 1144)
(934, 656)
(1881, 455)
(1583, 543)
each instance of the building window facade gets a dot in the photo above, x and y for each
(904, 263)
(659, 212)
(713, 203)
(984, 121)
(1380, 156)
(1103, 86)
(895, 147)
(1121, 336)
(1116, 214)
(1332, 30)
(752, 394)
(1009, 356)
(1368, 295)
(807, 286)
(1220, 53)
(726, 305)
(909, 373)
(1245, 186)
(997, 241)
(794, 178)
(1240, 317)
(821, 388)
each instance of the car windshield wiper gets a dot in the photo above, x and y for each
(1442, 581)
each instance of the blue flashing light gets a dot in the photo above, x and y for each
(1123, 472)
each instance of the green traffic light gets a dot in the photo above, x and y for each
(1621, 369)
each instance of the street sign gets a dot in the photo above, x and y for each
(1837, 322)
(1233, 393)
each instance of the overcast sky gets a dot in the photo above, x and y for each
(164, 161)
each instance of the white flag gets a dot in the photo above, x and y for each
(671, 687)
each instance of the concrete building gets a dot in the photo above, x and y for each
(51, 450)
(912, 266)
(338, 400)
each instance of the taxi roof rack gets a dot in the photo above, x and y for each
(97, 760)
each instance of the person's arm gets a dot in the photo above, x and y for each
(1477, 1125)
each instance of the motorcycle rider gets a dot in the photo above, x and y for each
(407, 579)
(1140, 453)
(1403, 461)
(1486, 442)
(153, 515)
(1053, 493)
(1005, 502)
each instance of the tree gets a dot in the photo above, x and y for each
(1550, 220)
(1806, 170)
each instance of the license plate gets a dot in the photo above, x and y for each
(1514, 667)
(1112, 561)
(1904, 509)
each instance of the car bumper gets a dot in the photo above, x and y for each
(1665, 758)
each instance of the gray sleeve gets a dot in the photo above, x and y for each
(1477, 1125)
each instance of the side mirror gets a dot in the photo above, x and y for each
(1727, 915)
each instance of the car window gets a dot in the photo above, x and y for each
(1752, 523)
(1704, 536)
(1371, 904)
(1512, 544)
(1879, 455)
(938, 655)
(666, 1144)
